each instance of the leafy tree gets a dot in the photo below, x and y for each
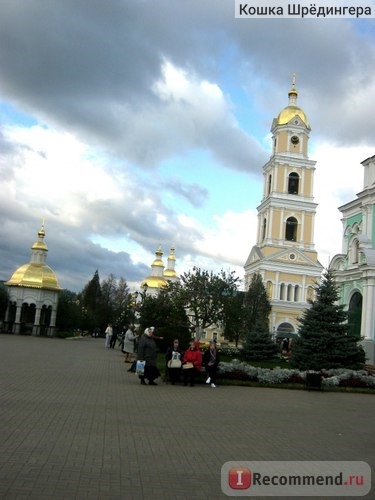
(108, 298)
(233, 317)
(69, 314)
(167, 315)
(324, 339)
(203, 295)
(258, 341)
(123, 308)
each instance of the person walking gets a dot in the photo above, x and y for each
(108, 335)
(191, 363)
(211, 361)
(173, 358)
(113, 338)
(147, 351)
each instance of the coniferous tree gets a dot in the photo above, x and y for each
(233, 317)
(91, 301)
(258, 341)
(324, 339)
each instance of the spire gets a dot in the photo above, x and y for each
(170, 272)
(40, 245)
(293, 92)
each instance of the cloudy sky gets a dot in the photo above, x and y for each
(127, 124)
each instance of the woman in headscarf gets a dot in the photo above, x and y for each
(147, 351)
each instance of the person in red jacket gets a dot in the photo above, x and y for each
(191, 362)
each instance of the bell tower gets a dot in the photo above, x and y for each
(284, 253)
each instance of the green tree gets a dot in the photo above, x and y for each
(108, 298)
(233, 317)
(91, 302)
(167, 315)
(69, 313)
(258, 341)
(203, 294)
(324, 339)
(123, 307)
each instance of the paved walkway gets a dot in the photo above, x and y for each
(76, 425)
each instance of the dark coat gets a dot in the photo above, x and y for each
(207, 357)
(147, 350)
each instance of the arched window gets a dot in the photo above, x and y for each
(355, 315)
(293, 183)
(291, 229)
(269, 183)
(27, 318)
(296, 293)
(264, 228)
(285, 328)
(282, 291)
(45, 319)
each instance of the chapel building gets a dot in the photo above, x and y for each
(33, 294)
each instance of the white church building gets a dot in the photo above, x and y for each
(354, 267)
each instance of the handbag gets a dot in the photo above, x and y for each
(140, 367)
(174, 363)
(186, 366)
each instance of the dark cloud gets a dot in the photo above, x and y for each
(96, 70)
(193, 193)
(91, 66)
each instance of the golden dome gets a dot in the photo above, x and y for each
(170, 273)
(39, 245)
(292, 109)
(34, 275)
(154, 282)
(289, 113)
(158, 261)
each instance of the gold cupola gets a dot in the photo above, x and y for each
(170, 273)
(292, 110)
(156, 279)
(36, 274)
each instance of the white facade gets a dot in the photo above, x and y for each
(354, 268)
(33, 295)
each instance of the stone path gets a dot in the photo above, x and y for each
(76, 425)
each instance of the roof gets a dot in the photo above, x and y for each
(34, 275)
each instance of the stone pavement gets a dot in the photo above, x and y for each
(76, 425)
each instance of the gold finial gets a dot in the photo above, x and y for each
(41, 232)
(293, 93)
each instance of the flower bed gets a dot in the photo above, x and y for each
(239, 370)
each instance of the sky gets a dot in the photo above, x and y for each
(129, 124)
